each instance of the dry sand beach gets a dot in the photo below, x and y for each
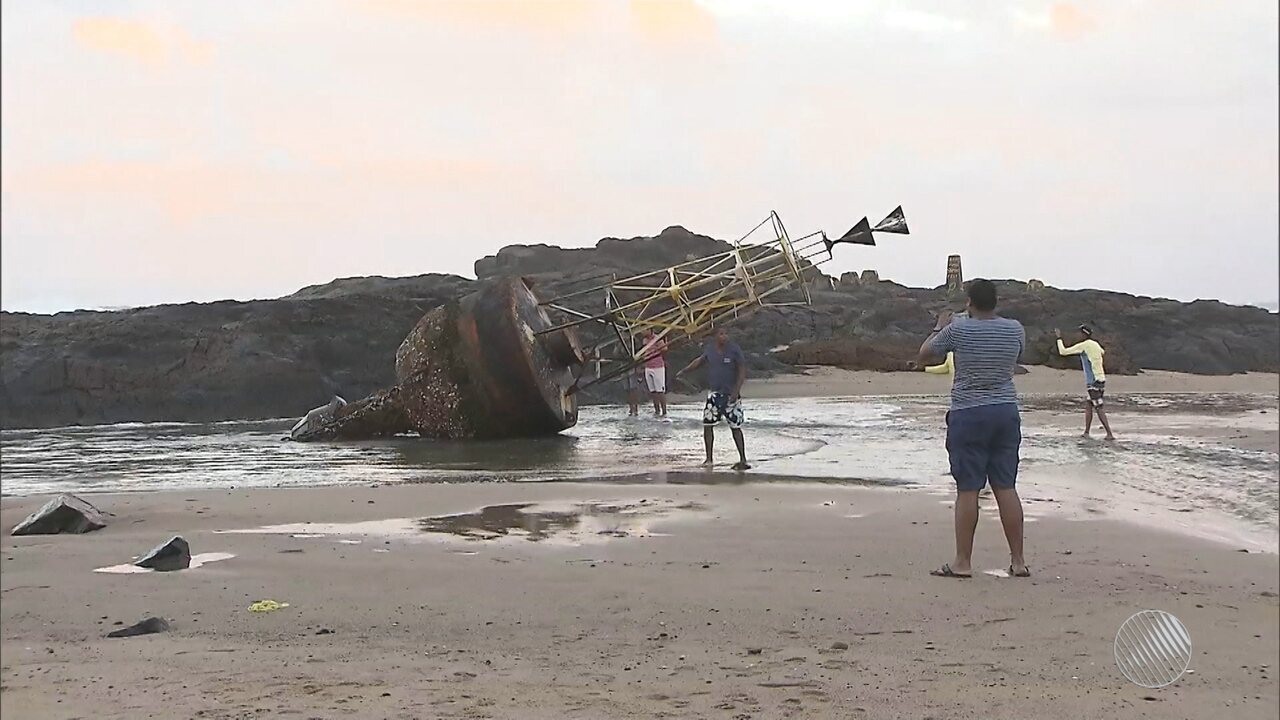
(681, 595)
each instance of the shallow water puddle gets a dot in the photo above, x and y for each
(570, 523)
(196, 561)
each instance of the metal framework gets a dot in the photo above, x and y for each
(686, 301)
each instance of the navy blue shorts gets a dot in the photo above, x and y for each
(982, 444)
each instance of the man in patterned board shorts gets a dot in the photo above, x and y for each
(984, 428)
(726, 371)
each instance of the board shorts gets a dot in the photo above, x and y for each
(1095, 391)
(718, 407)
(656, 379)
(983, 444)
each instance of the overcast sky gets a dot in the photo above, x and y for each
(170, 151)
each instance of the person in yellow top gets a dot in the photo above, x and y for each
(1095, 378)
(946, 367)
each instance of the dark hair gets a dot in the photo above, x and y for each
(982, 295)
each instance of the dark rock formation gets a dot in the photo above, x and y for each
(63, 514)
(214, 361)
(274, 358)
(173, 554)
(850, 354)
(147, 627)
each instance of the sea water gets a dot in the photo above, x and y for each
(880, 441)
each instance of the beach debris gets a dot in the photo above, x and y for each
(63, 514)
(754, 651)
(147, 627)
(266, 606)
(172, 554)
(489, 365)
(839, 645)
(317, 418)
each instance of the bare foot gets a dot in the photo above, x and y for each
(1111, 437)
(741, 465)
(707, 463)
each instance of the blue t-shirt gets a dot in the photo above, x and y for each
(986, 353)
(722, 367)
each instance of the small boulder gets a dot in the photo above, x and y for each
(173, 554)
(63, 514)
(146, 627)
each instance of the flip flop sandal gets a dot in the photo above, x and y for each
(1026, 572)
(947, 572)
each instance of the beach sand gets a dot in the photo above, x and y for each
(688, 595)
(729, 603)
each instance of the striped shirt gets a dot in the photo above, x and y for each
(986, 352)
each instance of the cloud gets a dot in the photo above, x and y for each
(545, 16)
(672, 21)
(1061, 20)
(1069, 22)
(925, 23)
(140, 42)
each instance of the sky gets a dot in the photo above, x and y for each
(158, 152)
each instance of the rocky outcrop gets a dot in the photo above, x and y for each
(212, 361)
(849, 354)
(63, 514)
(275, 358)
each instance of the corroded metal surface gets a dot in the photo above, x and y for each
(474, 368)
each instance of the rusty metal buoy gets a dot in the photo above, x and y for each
(472, 368)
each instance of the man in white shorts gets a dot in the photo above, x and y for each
(655, 371)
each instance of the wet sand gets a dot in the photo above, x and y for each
(1255, 426)
(727, 601)
(835, 382)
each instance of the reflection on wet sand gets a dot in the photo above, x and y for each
(572, 523)
(537, 522)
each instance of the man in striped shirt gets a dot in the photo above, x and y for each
(984, 429)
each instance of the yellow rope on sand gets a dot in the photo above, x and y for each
(263, 606)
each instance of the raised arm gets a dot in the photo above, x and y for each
(692, 365)
(934, 349)
(1076, 349)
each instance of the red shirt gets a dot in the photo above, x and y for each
(656, 351)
